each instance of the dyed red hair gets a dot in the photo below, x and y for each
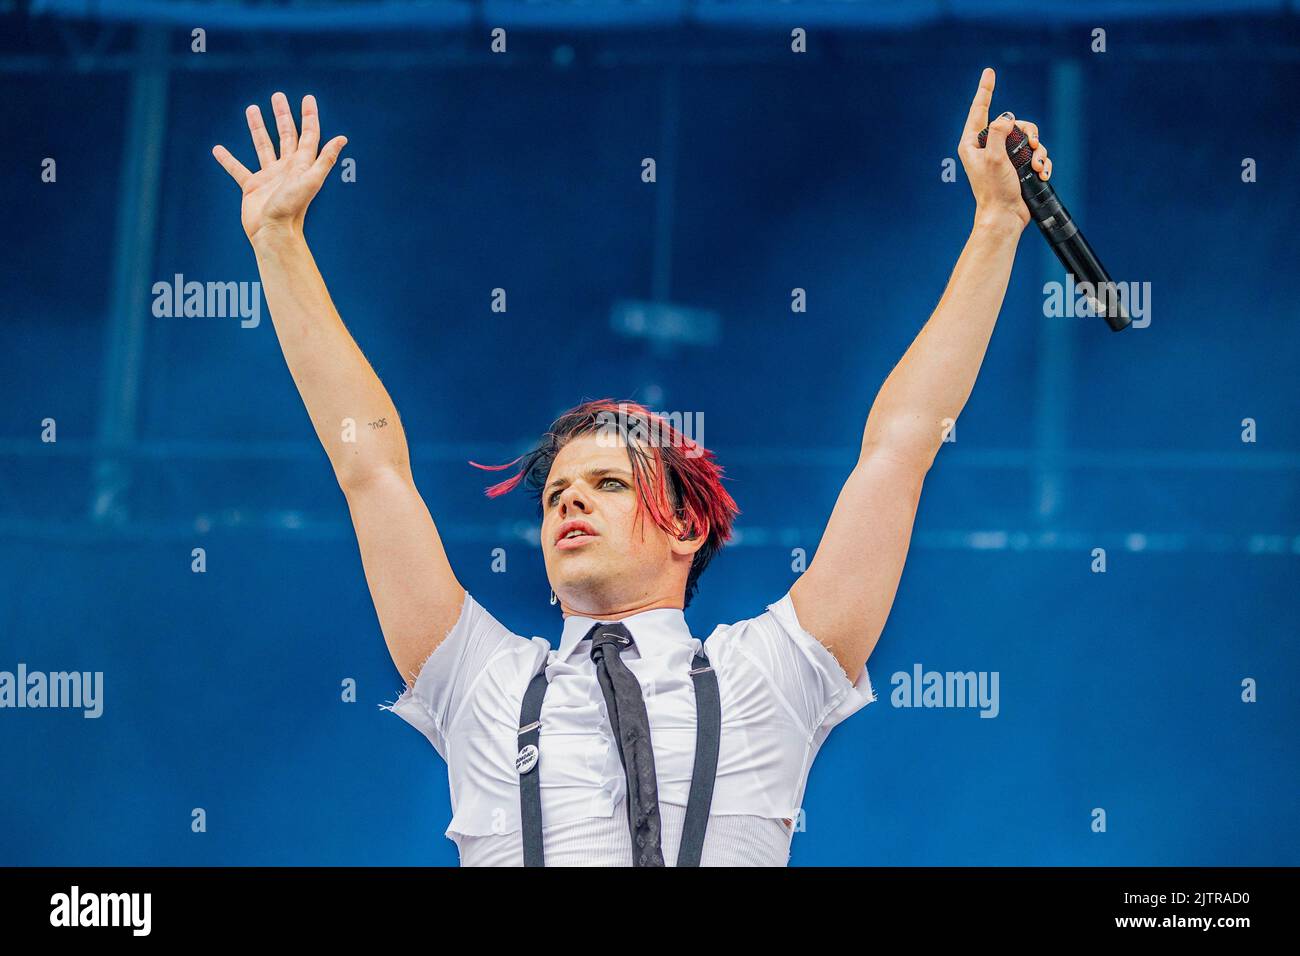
(678, 480)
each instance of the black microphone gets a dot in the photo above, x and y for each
(1061, 233)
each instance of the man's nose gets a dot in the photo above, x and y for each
(572, 499)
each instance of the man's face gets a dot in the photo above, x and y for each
(599, 559)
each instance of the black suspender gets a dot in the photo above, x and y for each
(708, 734)
(530, 787)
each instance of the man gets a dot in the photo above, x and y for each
(633, 742)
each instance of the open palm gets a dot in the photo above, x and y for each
(278, 194)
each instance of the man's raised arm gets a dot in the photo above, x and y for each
(416, 595)
(844, 597)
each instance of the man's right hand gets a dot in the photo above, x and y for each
(276, 197)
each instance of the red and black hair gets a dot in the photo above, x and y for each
(678, 481)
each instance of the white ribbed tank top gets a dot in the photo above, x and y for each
(731, 840)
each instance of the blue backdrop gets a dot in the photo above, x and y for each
(1120, 691)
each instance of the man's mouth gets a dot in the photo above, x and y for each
(574, 534)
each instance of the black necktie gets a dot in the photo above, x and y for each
(631, 726)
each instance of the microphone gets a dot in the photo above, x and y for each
(1061, 233)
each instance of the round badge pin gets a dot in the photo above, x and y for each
(527, 759)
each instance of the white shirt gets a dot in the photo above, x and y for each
(782, 692)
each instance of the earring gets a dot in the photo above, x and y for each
(553, 599)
